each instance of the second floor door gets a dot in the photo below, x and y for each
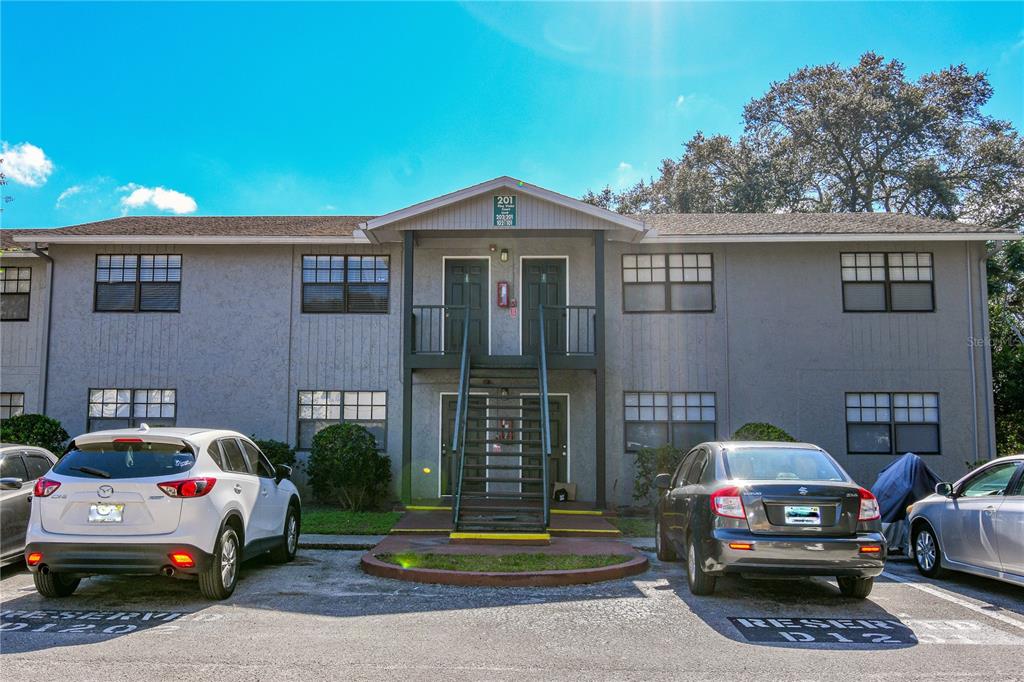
(465, 284)
(544, 283)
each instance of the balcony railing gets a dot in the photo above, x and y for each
(433, 332)
(569, 329)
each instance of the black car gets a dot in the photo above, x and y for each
(768, 508)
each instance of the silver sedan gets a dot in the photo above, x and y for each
(975, 525)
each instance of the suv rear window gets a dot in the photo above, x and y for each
(125, 460)
(781, 464)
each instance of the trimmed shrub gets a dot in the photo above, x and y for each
(649, 463)
(35, 429)
(762, 431)
(345, 468)
(276, 451)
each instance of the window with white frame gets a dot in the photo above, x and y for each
(320, 409)
(884, 423)
(653, 419)
(888, 282)
(138, 283)
(11, 405)
(117, 408)
(672, 282)
(15, 288)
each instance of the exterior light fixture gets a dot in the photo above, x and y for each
(504, 255)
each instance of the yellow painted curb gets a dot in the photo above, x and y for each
(500, 536)
(584, 530)
(578, 512)
(417, 507)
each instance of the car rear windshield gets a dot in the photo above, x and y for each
(781, 464)
(125, 460)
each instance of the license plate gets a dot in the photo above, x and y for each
(105, 513)
(803, 516)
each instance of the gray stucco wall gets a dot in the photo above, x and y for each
(22, 347)
(777, 348)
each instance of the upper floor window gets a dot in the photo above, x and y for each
(653, 419)
(345, 284)
(672, 282)
(893, 282)
(117, 408)
(138, 283)
(11, 405)
(320, 409)
(15, 284)
(872, 420)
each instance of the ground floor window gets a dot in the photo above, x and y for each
(11, 405)
(653, 419)
(320, 409)
(884, 423)
(118, 408)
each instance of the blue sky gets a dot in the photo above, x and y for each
(260, 108)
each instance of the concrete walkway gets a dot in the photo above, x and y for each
(350, 542)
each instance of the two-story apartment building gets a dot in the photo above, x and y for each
(864, 333)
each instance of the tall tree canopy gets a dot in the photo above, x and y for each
(830, 139)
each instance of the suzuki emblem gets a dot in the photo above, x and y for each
(105, 491)
(802, 490)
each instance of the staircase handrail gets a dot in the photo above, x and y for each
(461, 415)
(545, 417)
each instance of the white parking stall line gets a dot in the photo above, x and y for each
(942, 594)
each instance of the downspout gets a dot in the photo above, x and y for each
(971, 341)
(50, 270)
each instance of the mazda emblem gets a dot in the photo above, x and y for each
(105, 491)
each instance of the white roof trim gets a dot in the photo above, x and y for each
(17, 254)
(651, 238)
(189, 239)
(505, 182)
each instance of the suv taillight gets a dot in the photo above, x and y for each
(189, 487)
(868, 506)
(45, 487)
(728, 502)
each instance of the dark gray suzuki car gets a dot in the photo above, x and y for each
(768, 508)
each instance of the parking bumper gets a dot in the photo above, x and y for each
(129, 559)
(794, 555)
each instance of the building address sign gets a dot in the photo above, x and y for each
(504, 210)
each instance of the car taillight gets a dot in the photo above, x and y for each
(34, 558)
(868, 506)
(728, 502)
(182, 559)
(189, 487)
(45, 487)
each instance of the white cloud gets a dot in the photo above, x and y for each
(26, 164)
(625, 175)
(68, 193)
(159, 198)
(680, 101)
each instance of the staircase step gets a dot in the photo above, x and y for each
(506, 467)
(498, 511)
(496, 429)
(502, 441)
(498, 479)
(468, 495)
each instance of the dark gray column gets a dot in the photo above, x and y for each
(599, 414)
(407, 324)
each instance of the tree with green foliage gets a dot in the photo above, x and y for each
(34, 429)
(649, 462)
(762, 431)
(866, 139)
(345, 467)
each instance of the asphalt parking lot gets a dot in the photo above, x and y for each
(322, 618)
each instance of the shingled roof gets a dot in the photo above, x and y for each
(668, 224)
(807, 223)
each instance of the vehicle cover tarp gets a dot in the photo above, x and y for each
(905, 481)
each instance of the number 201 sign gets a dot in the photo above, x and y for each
(504, 210)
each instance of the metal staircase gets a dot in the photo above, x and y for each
(502, 441)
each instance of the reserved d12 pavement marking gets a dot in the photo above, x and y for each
(871, 631)
(95, 622)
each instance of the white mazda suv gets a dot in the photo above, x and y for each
(186, 503)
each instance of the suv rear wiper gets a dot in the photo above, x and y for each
(92, 472)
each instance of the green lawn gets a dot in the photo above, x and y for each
(634, 526)
(509, 563)
(341, 522)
